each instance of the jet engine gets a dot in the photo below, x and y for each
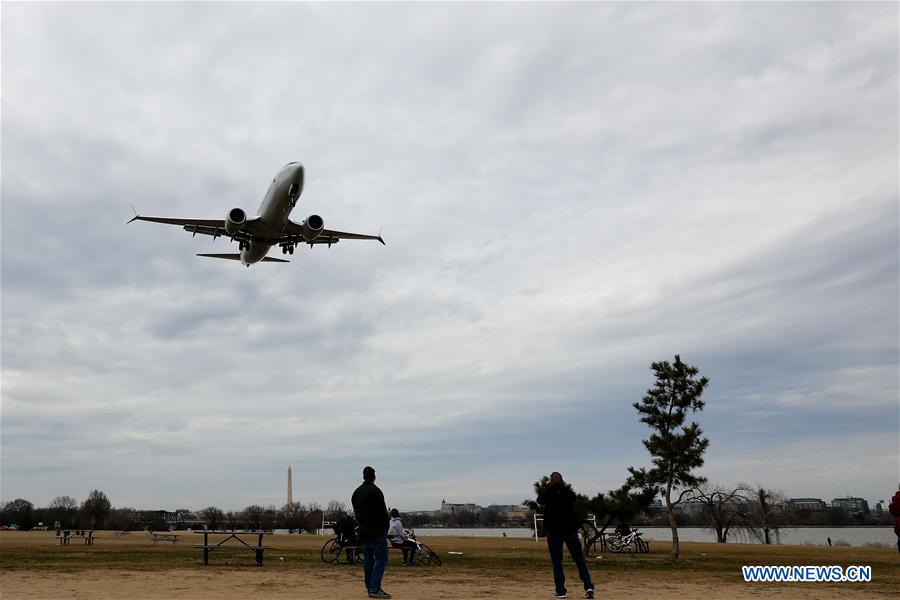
(235, 220)
(312, 227)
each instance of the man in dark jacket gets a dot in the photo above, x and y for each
(561, 524)
(372, 516)
(894, 509)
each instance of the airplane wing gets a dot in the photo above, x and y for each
(294, 233)
(212, 227)
(342, 235)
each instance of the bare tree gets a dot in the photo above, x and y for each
(19, 512)
(252, 516)
(121, 519)
(764, 516)
(292, 516)
(64, 509)
(213, 516)
(268, 517)
(721, 507)
(335, 509)
(95, 509)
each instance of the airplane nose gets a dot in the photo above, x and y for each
(298, 177)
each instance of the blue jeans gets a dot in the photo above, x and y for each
(555, 545)
(375, 552)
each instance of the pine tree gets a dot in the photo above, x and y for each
(676, 450)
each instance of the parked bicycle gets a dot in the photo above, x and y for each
(423, 555)
(632, 542)
(345, 546)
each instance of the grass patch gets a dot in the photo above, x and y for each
(481, 558)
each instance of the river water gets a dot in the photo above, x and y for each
(853, 536)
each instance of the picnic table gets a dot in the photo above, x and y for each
(238, 536)
(67, 536)
(156, 537)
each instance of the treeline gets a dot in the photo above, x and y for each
(96, 509)
(97, 512)
(743, 508)
(294, 517)
(830, 517)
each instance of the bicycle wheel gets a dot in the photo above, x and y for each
(427, 556)
(330, 551)
(643, 546)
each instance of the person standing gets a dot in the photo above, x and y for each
(894, 509)
(561, 524)
(372, 516)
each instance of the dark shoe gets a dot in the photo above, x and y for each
(557, 595)
(588, 593)
(379, 594)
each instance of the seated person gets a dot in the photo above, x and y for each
(398, 538)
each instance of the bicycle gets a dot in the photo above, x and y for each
(423, 554)
(632, 543)
(345, 544)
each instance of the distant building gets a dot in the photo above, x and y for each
(509, 512)
(447, 507)
(854, 506)
(655, 508)
(810, 504)
(180, 519)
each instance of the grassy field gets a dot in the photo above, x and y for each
(486, 567)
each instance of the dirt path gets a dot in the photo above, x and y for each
(223, 584)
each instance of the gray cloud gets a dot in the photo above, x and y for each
(568, 192)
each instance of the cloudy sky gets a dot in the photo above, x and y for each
(568, 193)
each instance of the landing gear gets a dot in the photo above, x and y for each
(291, 249)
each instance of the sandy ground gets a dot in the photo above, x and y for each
(218, 584)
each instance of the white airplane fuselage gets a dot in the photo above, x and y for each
(273, 213)
(270, 227)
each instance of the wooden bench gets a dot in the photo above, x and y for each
(258, 549)
(163, 537)
(87, 536)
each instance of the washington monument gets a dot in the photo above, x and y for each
(290, 489)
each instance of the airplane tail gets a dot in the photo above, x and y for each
(238, 257)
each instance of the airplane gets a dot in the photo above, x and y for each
(271, 225)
